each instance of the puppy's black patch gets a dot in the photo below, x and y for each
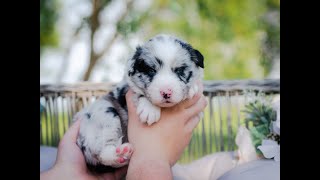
(145, 69)
(135, 57)
(180, 70)
(195, 55)
(140, 66)
(159, 62)
(119, 106)
(122, 96)
(138, 52)
(88, 115)
(80, 143)
(83, 148)
(189, 76)
(182, 74)
(199, 58)
(111, 94)
(118, 95)
(113, 111)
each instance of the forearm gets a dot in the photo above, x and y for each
(48, 175)
(63, 173)
(142, 169)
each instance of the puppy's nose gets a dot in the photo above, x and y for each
(166, 93)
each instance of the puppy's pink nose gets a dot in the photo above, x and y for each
(166, 93)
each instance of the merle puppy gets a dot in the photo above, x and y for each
(162, 72)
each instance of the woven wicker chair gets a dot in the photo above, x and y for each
(216, 132)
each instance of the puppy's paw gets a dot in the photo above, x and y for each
(124, 152)
(147, 112)
(116, 156)
(193, 91)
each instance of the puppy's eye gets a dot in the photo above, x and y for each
(183, 73)
(180, 70)
(144, 67)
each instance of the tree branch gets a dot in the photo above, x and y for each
(94, 57)
(116, 35)
(66, 54)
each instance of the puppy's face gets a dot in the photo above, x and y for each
(164, 69)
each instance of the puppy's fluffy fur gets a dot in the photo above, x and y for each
(162, 72)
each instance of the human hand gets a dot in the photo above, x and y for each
(165, 140)
(70, 163)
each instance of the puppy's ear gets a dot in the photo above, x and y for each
(133, 61)
(137, 53)
(200, 59)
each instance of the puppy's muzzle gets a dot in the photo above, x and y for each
(166, 94)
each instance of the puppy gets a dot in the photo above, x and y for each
(162, 72)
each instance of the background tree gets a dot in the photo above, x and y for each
(48, 18)
(228, 33)
(270, 54)
(125, 24)
(239, 39)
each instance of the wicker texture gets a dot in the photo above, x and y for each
(216, 132)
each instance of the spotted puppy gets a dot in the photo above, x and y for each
(162, 72)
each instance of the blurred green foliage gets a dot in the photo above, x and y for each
(131, 23)
(48, 18)
(271, 42)
(228, 33)
(260, 115)
(239, 39)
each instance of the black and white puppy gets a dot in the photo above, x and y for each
(162, 72)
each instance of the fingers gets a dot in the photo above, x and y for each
(189, 102)
(196, 108)
(72, 133)
(192, 123)
(132, 109)
(200, 85)
(133, 118)
(130, 104)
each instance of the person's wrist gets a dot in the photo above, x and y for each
(150, 155)
(60, 171)
(46, 175)
(51, 173)
(147, 166)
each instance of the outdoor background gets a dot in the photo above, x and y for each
(90, 40)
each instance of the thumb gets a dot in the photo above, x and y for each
(133, 117)
(72, 133)
(130, 103)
